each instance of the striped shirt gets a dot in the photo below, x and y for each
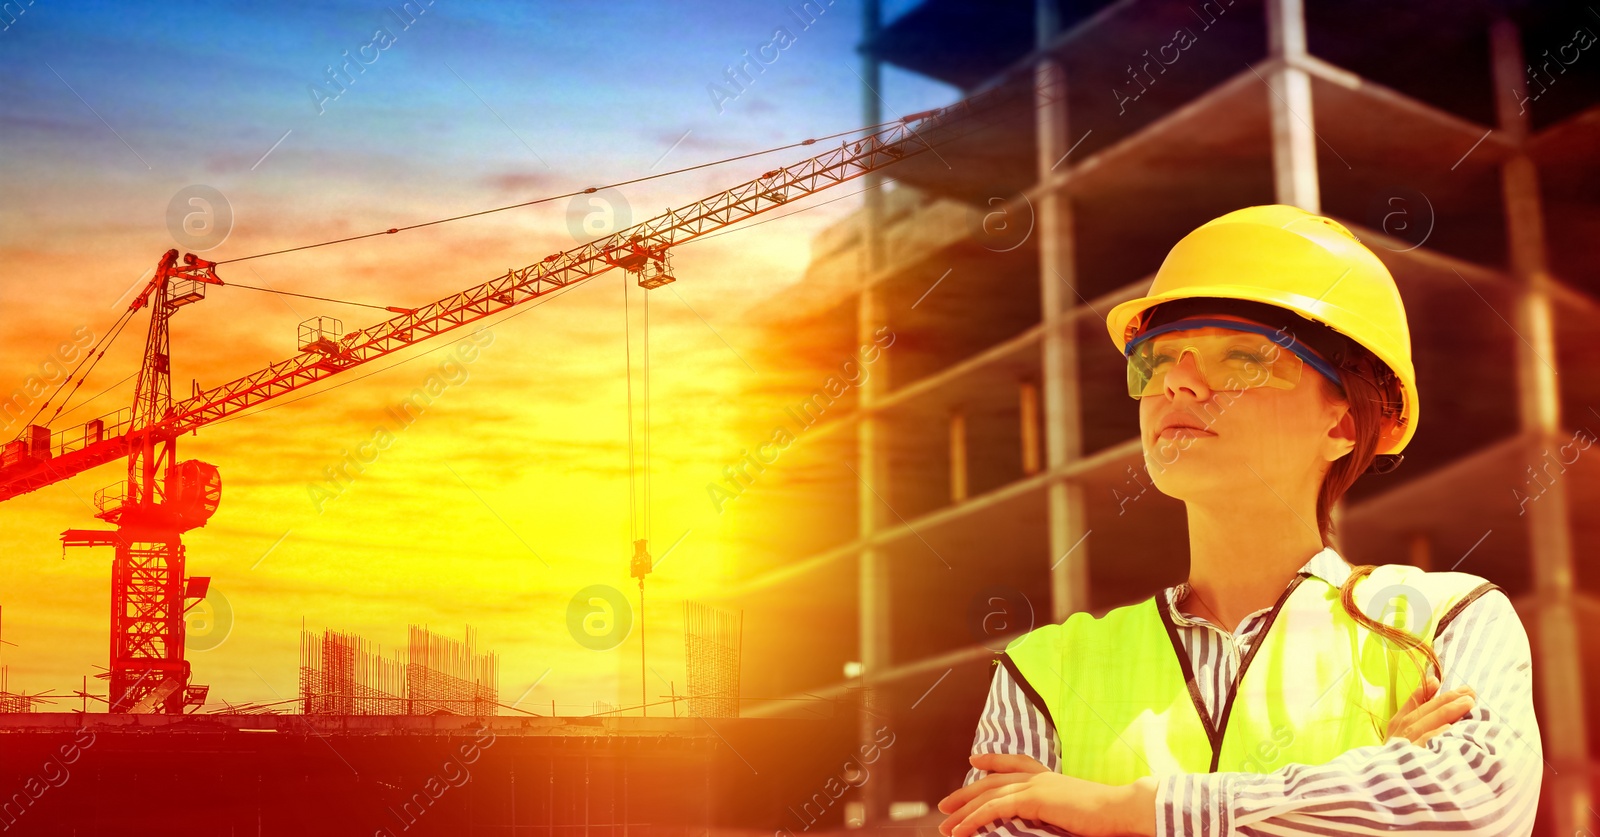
(1481, 775)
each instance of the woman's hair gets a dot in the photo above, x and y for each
(1360, 373)
(1372, 392)
(1407, 641)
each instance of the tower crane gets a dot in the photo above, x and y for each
(161, 497)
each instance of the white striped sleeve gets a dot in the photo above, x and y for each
(1479, 776)
(1011, 724)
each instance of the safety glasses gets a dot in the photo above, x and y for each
(1232, 356)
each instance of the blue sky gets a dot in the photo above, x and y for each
(464, 95)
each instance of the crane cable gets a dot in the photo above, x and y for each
(549, 198)
(627, 350)
(390, 308)
(648, 496)
(403, 310)
(96, 396)
(641, 545)
(90, 357)
(636, 517)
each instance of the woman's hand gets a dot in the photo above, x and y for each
(1019, 786)
(1429, 711)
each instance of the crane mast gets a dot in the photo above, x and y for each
(159, 501)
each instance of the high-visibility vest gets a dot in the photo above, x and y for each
(1121, 692)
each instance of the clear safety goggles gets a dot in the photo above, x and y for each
(1231, 355)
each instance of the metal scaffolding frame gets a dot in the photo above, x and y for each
(713, 642)
(344, 674)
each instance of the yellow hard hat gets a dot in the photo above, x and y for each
(1307, 264)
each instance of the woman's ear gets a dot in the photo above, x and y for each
(1342, 435)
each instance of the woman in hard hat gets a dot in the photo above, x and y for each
(1279, 689)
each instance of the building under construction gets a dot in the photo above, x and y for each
(341, 674)
(974, 468)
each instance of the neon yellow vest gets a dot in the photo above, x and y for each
(1121, 694)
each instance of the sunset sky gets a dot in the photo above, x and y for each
(509, 494)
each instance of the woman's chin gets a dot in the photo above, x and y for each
(1188, 474)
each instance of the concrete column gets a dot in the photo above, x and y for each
(1294, 144)
(871, 452)
(1063, 421)
(1557, 657)
(1028, 406)
(958, 457)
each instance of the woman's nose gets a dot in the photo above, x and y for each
(1185, 376)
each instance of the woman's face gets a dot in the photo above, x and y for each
(1253, 439)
